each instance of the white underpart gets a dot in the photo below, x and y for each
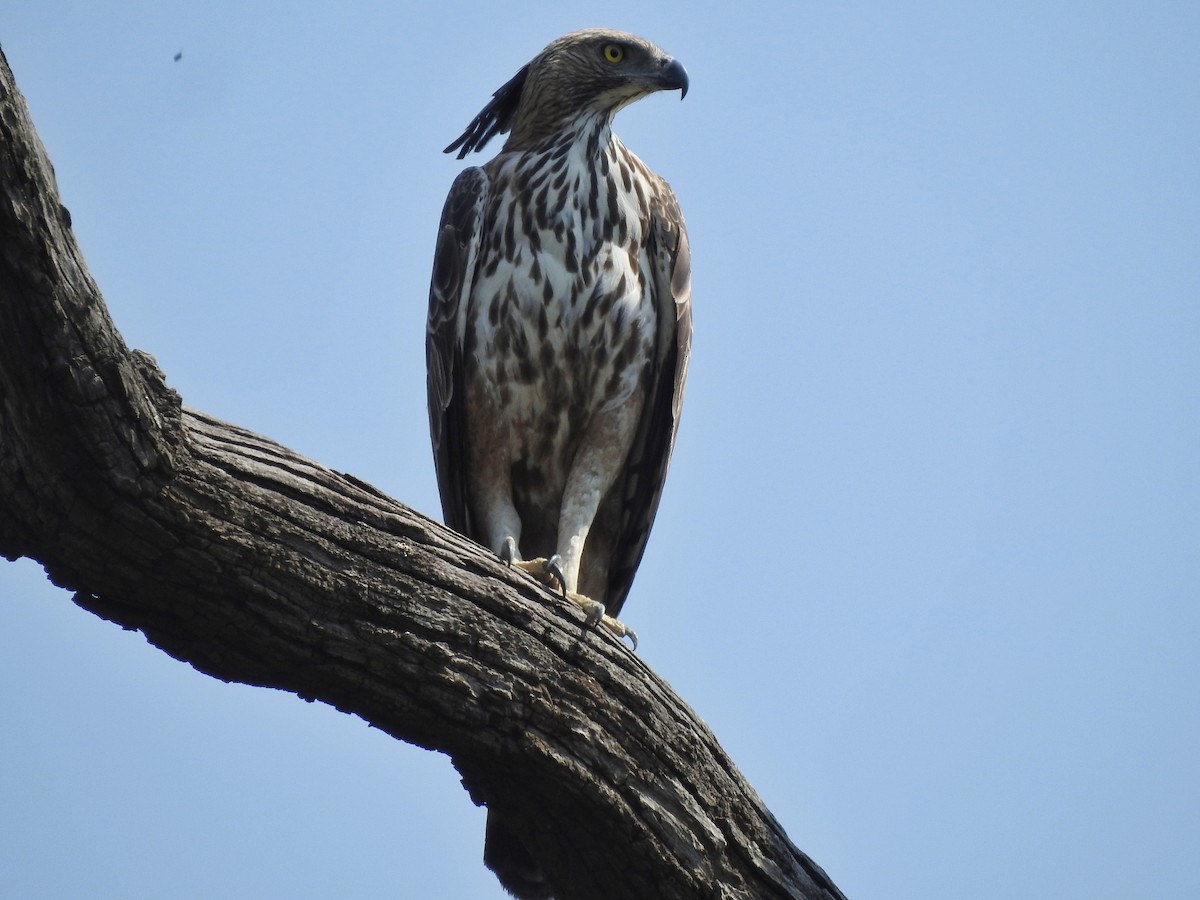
(580, 484)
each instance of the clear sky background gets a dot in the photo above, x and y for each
(928, 561)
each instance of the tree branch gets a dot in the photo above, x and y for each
(256, 565)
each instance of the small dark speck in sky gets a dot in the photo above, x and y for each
(179, 56)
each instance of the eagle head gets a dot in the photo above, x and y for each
(594, 72)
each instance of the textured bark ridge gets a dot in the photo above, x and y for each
(256, 565)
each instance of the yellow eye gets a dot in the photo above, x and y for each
(614, 53)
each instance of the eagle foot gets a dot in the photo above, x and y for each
(595, 615)
(549, 572)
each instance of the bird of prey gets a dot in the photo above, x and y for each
(558, 336)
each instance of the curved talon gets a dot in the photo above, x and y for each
(508, 550)
(621, 630)
(554, 567)
(595, 614)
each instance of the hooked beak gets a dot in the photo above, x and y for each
(673, 76)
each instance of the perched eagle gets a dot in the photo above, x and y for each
(558, 336)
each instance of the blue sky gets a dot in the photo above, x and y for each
(928, 560)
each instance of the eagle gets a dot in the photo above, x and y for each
(558, 337)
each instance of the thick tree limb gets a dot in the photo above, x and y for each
(256, 565)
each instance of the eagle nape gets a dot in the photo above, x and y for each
(550, 572)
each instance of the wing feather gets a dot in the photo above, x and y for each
(650, 455)
(454, 265)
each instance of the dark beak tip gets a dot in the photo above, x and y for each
(676, 76)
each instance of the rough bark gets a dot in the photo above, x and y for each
(256, 565)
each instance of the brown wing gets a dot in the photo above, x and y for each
(646, 467)
(454, 265)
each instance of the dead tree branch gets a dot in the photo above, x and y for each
(256, 565)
